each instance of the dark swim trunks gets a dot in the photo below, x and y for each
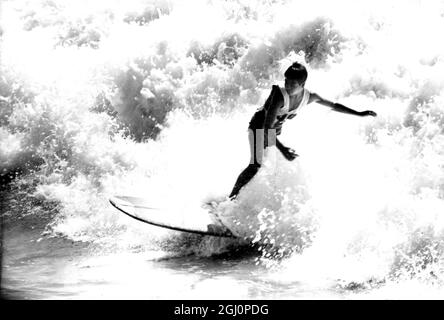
(258, 119)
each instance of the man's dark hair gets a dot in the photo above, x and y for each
(296, 72)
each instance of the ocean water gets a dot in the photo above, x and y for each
(152, 98)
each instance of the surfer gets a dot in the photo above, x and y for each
(283, 103)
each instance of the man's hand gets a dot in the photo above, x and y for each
(289, 153)
(368, 113)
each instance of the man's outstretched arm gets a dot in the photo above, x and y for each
(314, 97)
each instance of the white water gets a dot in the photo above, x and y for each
(153, 98)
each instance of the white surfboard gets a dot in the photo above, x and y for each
(201, 221)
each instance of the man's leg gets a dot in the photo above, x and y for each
(245, 177)
(256, 140)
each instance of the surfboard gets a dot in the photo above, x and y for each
(202, 221)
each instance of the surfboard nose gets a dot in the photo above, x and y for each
(119, 203)
(112, 200)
